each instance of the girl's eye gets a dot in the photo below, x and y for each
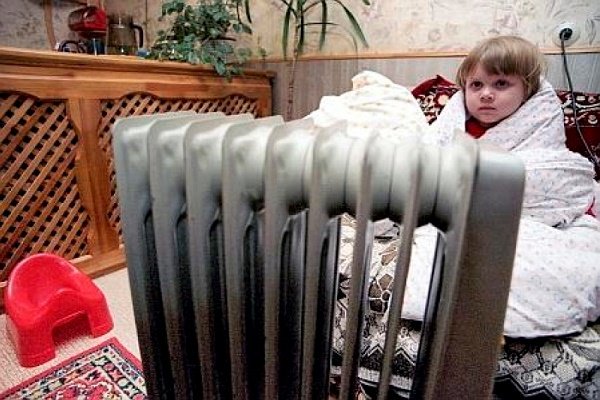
(475, 85)
(501, 84)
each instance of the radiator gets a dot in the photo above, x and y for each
(230, 229)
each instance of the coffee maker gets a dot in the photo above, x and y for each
(90, 24)
(121, 36)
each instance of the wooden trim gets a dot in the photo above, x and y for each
(102, 264)
(416, 54)
(49, 22)
(90, 170)
(25, 57)
(93, 88)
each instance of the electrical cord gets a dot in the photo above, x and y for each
(564, 35)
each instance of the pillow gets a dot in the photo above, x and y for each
(433, 94)
(588, 116)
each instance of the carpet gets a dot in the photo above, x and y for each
(106, 371)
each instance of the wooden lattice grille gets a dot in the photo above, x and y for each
(41, 208)
(142, 104)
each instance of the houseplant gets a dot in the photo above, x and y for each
(300, 17)
(202, 33)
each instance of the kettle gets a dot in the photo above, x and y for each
(121, 37)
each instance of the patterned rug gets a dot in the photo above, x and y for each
(107, 371)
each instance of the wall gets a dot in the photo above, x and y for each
(399, 26)
(400, 32)
(391, 26)
(318, 78)
(23, 24)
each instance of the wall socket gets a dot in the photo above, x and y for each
(565, 25)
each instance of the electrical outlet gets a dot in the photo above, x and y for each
(560, 27)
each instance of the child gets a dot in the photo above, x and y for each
(554, 289)
(505, 101)
(497, 77)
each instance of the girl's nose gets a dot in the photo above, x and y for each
(486, 94)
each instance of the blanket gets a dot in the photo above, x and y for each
(555, 288)
(560, 182)
(556, 277)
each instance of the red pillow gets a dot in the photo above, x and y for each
(433, 94)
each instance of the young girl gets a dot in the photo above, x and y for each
(497, 77)
(505, 101)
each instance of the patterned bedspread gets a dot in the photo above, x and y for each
(566, 367)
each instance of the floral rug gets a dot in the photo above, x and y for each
(107, 371)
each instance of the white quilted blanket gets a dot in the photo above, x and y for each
(555, 287)
(559, 182)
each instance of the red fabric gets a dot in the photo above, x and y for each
(591, 210)
(433, 94)
(474, 128)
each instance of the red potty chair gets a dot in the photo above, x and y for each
(43, 292)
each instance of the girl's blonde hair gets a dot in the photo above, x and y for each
(508, 55)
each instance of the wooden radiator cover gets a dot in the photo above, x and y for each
(57, 180)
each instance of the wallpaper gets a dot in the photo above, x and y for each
(22, 23)
(398, 26)
(390, 26)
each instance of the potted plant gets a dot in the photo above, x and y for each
(304, 15)
(300, 17)
(201, 33)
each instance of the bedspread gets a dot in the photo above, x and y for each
(565, 367)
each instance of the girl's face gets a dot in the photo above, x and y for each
(491, 98)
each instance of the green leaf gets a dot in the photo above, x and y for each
(247, 7)
(323, 24)
(355, 25)
(286, 31)
(302, 31)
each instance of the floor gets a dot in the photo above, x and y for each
(115, 287)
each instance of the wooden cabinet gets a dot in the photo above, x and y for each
(56, 111)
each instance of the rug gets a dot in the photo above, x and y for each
(106, 371)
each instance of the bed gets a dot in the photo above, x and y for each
(547, 367)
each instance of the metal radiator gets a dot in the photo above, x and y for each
(231, 224)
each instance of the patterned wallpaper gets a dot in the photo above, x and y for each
(22, 23)
(397, 26)
(391, 26)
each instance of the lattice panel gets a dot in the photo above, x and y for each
(142, 104)
(41, 208)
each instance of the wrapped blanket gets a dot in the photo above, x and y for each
(559, 184)
(555, 289)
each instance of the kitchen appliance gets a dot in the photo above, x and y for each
(90, 46)
(121, 37)
(89, 23)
